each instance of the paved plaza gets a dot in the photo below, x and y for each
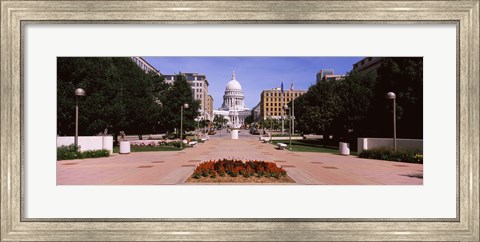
(174, 167)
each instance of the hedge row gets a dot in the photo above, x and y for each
(383, 153)
(71, 152)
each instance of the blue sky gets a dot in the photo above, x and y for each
(255, 74)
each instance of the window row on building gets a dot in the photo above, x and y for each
(277, 103)
(368, 64)
(289, 98)
(197, 82)
(271, 102)
(286, 93)
(144, 65)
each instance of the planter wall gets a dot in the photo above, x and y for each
(88, 142)
(370, 143)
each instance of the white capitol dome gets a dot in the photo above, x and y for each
(233, 85)
(233, 107)
(233, 99)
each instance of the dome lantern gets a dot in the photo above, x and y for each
(233, 85)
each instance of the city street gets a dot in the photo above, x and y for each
(174, 167)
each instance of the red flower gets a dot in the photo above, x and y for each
(238, 167)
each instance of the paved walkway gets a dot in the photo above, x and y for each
(174, 167)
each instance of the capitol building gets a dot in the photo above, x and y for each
(233, 107)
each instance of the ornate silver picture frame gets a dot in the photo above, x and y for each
(15, 14)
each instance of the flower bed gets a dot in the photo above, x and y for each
(156, 143)
(225, 170)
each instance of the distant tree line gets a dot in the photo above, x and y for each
(356, 107)
(120, 96)
(219, 121)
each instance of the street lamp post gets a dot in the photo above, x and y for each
(393, 97)
(289, 125)
(198, 124)
(266, 122)
(271, 126)
(269, 120)
(185, 105)
(78, 93)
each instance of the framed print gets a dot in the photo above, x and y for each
(247, 120)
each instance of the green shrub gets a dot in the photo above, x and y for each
(383, 153)
(197, 175)
(71, 152)
(172, 144)
(95, 154)
(68, 152)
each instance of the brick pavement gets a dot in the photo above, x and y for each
(174, 167)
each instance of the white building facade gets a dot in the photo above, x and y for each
(233, 107)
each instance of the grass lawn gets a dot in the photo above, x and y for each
(146, 148)
(307, 145)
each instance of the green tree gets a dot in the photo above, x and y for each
(356, 107)
(355, 95)
(249, 119)
(404, 77)
(316, 110)
(176, 95)
(219, 120)
(140, 97)
(119, 96)
(98, 109)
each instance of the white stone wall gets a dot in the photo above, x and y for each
(370, 143)
(88, 142)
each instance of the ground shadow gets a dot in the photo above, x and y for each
(417, 175)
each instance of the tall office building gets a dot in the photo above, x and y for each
(322, 73)
(256, 112)
(144, 65)
(368, 64)
(199, 85)
(329, 75)
(210, 107)
(271, 102)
